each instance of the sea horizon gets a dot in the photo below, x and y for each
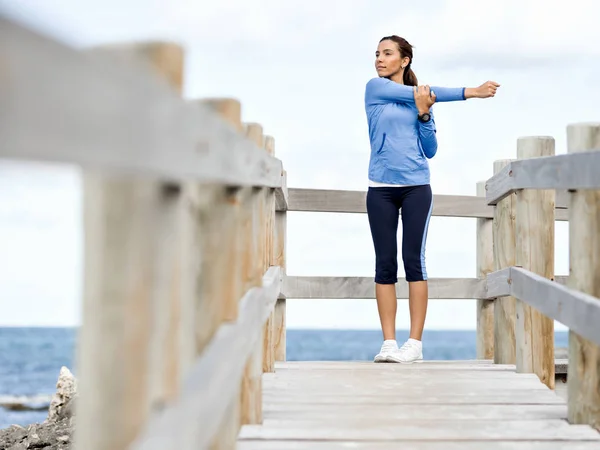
(31, 358)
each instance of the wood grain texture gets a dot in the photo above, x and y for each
(534, 332)
(299, 287)
(337, 405)
(268, 363)
(577, 310)
(135, 290)
(504, 257)
(115, 114)
(569, 171)
(346, 201)
(484, 346)
(584, 260)
(214, 380)
(279, 259)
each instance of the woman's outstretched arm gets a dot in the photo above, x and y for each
(382, 90)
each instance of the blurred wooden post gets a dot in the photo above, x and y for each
(268, 343)
(225, 245)
(583, 378)
(251, 396)
(504, 256)
(279, 259)
(485, 265)
(534, 332)
(130, 343)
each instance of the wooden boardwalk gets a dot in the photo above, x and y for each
(432, 405)
(185, 280)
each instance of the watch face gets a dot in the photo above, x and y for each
(424, 118)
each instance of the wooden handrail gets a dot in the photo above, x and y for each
(569, 171)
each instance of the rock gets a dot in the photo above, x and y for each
(61, 404)
(55, 433)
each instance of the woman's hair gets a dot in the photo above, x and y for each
(409, 78)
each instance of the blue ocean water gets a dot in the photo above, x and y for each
(31, 358)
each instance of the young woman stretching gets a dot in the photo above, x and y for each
(403, 136)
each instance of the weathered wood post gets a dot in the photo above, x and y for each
(583, 379)
(534, 332)
(251, 386)
(268, 342)
(129, 355)
(485, 265)
(504, 256)
(279, 259)
(226, 251)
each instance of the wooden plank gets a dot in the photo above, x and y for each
(348, 201)
(282, 194)
(498, 283)
(583, 383)
(534, 332)
(569, 171)
(214, 380)
(306, 287)
(361, 429)
(418, 413)
(577, 310)
(392, 445)
(484, 346)
(115, 114)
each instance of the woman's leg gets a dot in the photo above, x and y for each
(417, 205)
(383, 214)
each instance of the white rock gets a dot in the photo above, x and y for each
(66, 390)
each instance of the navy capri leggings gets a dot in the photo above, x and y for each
(383, 207)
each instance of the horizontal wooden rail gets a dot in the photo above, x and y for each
(308, 287)
(213, 381)
(579, 311)
(347, 201)
(104, 112)
(569, 171)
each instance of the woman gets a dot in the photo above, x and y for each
(403, 136)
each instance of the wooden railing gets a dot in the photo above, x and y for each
(528, 301)
(185, 228)
(184, 251)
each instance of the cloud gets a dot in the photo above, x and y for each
(299, 69)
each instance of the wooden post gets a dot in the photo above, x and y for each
(534, 332)
(504, 256)
(485, 265)
(583, 378)
(251, 396)
(279, 259)
(268, 344)
(129, 352)
(225, 218)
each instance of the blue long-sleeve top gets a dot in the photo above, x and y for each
(401, 144)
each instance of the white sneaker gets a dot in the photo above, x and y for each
(410, 352)
(388, 347)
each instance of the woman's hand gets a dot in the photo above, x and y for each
(424, 98)
(486, 90)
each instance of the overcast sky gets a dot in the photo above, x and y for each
(299, 69)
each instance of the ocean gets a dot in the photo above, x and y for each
(31, 358)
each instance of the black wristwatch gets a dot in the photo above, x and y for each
(425, 117)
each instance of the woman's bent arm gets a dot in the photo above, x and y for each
(428, 137)
(381, 90)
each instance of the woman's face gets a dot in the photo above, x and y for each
(388, 60)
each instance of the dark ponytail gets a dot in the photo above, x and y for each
(409, 78)
(406, 50)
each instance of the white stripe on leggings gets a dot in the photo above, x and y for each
(425, 239)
